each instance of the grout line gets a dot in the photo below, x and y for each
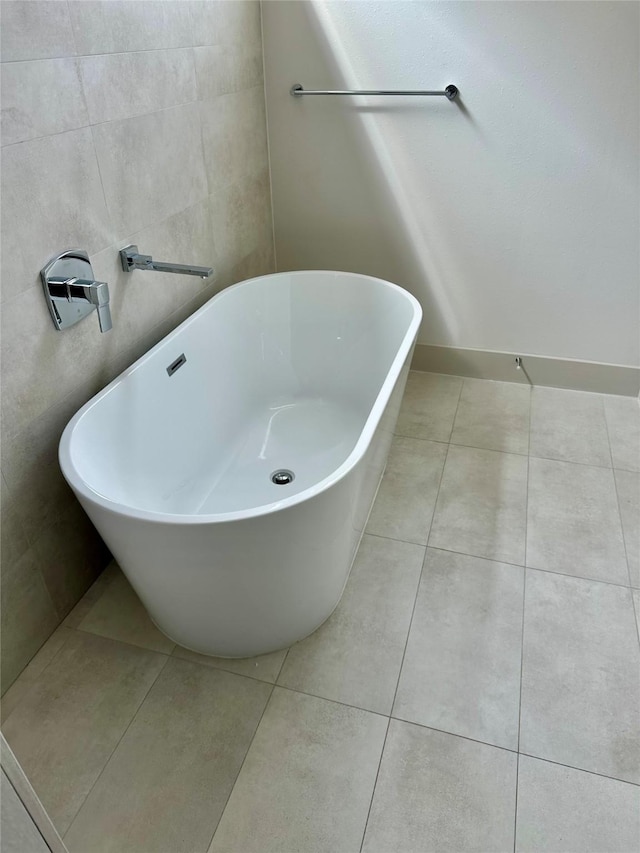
(107, 207)
(435, 503)
(524, 593)
(419, 438)
(624, 541)
(514, 752)
(515, 805)
(455, 414)
(264, 710)
(172, 656)
(74, 39)
(576, 577)
(266, 119)
(455, 734)
(504, 562)
(375, 784)
(37, 677)
(526, 516)
(448, 550)
(218, 668)
(120, 739)
(406, 643)
(91, 124)
(333, 701)
(513, 453)
(192, 40)
(124, 642)
(444, 465)
(581, 769)
(524, 580)
(284, 660)
(395, 693)
(95, 55)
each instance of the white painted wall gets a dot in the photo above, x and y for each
(513, 217)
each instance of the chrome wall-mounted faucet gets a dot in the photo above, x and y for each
(71, 291)
(132, 260)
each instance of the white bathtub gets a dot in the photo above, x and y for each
(301, 371)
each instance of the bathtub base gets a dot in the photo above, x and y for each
(209, 653)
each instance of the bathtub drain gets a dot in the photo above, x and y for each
(282, 477)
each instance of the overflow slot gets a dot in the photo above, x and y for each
(177, 364)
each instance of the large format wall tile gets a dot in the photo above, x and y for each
(226, 22)
(241, 217)
(307, 780)
(573, 521)
(13, 541)
(355, 656)
(461, 670)
(36, 29)
(41, 98)
(152, 166)
(407, 493)
(18, 829)
(560, 808)
(52, 187)
(38, 491)
(28, 615)
(30, 674)
(115, 26)
(623, 422)
(71, 555)
(74, 716)
(234, 134)
(481, 508)
(429, 406)
(120, 615)
(628, 486)
(440, 792)
(169, 779)
(494, 415)
(580, 678)
(122, 85)
(228, 68)
(569, 425)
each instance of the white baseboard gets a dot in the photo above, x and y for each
(536, 370)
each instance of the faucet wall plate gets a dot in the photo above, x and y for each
(74, 263)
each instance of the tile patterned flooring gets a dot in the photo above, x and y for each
(477, 689)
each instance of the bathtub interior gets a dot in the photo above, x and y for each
(281, 372)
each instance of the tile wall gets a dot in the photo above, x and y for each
(122, 122)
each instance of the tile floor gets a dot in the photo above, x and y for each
(477, 689)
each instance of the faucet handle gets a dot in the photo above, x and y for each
(97, 293)
(83, 290)
(102, 305)
(71, 291)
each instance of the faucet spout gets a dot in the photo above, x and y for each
(131, 260)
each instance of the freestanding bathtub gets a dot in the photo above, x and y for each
(300, 373)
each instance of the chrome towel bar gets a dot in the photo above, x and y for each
(297, 90)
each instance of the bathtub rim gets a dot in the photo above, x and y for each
(86, 491)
